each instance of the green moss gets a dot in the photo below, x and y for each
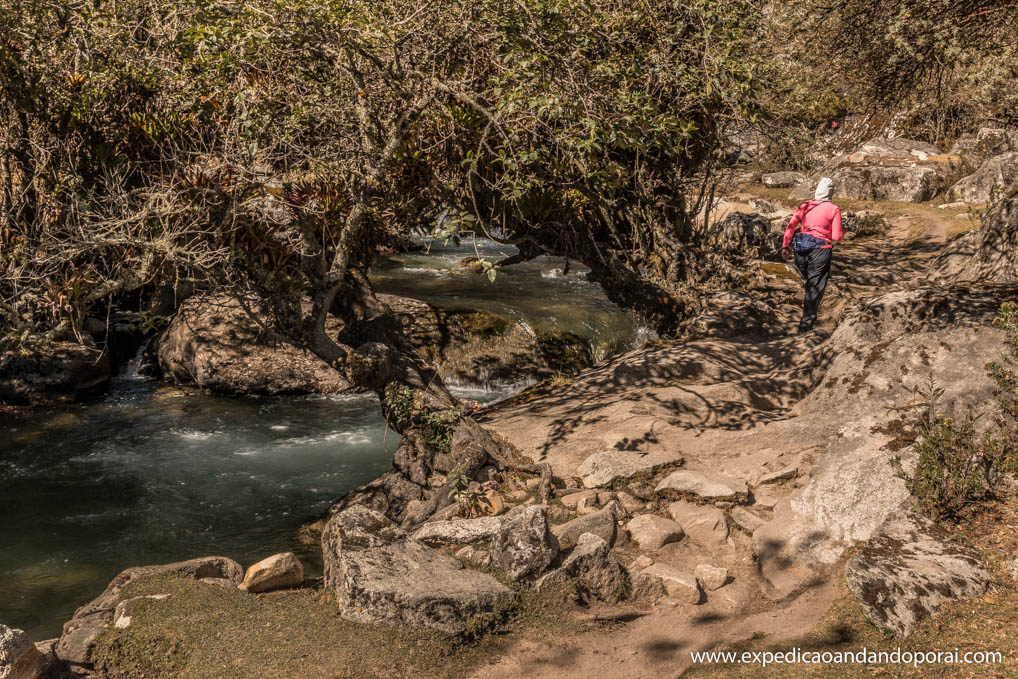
(204, 631)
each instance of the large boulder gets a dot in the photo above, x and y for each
(80, 633)
(58, 371)
(741, 231)
(523, 546)
(229, 344)
(19, 657)
(886, 170)
(908, 569)
(976, 149)
(993, 177)
(378, 573)
(482, 349)
(989, 253)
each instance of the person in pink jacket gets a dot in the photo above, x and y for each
(819, 227)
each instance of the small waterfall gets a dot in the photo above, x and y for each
(136, 368)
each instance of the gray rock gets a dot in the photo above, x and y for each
(711, 577)
(574, 498)
(705, 524)
(609, 466)
(461, 532)
(602, 523)
(898, 339)
(989, 253)
(19, 657)
(643, 587)
(654, 532)
(59, 371)
(523, 546)
(379, 574)
(783, 180)
(900, 170)
(908, 569)
(592, 564)
(741, 231)
(993, 178)
(708, 485)
(91, 620)
(473, 556)
(748, 519)
(1012, 566)
(227, 344)
(279, 571)
(680, 585)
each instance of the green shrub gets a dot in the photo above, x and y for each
(957, 465)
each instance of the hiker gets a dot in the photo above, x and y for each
(819, 226)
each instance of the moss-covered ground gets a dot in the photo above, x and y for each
(203, 631)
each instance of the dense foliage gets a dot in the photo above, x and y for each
(275, 144)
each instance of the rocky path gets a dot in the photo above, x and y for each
(796, 431)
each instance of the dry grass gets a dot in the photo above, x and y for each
(985, 624)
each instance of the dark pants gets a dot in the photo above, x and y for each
(815, 266)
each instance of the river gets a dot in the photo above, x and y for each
(153, 473)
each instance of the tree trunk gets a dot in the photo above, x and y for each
(441, 444)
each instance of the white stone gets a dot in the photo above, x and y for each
(279, 571)
(711, 577)
(653, 532)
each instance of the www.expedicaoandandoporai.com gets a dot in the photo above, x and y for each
(864, 656)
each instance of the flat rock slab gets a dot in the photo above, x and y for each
(379, 574)
(462, 532)
(707, 485)
(679, 584)
(908, 569)
(705, 524)
(602, 523)
(608, 466)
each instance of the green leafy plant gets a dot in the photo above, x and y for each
(433, 426)
(956, 464)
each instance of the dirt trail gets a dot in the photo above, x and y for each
(730, 406)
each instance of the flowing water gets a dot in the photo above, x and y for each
(153, 473)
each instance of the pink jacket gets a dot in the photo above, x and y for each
(821, 219)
